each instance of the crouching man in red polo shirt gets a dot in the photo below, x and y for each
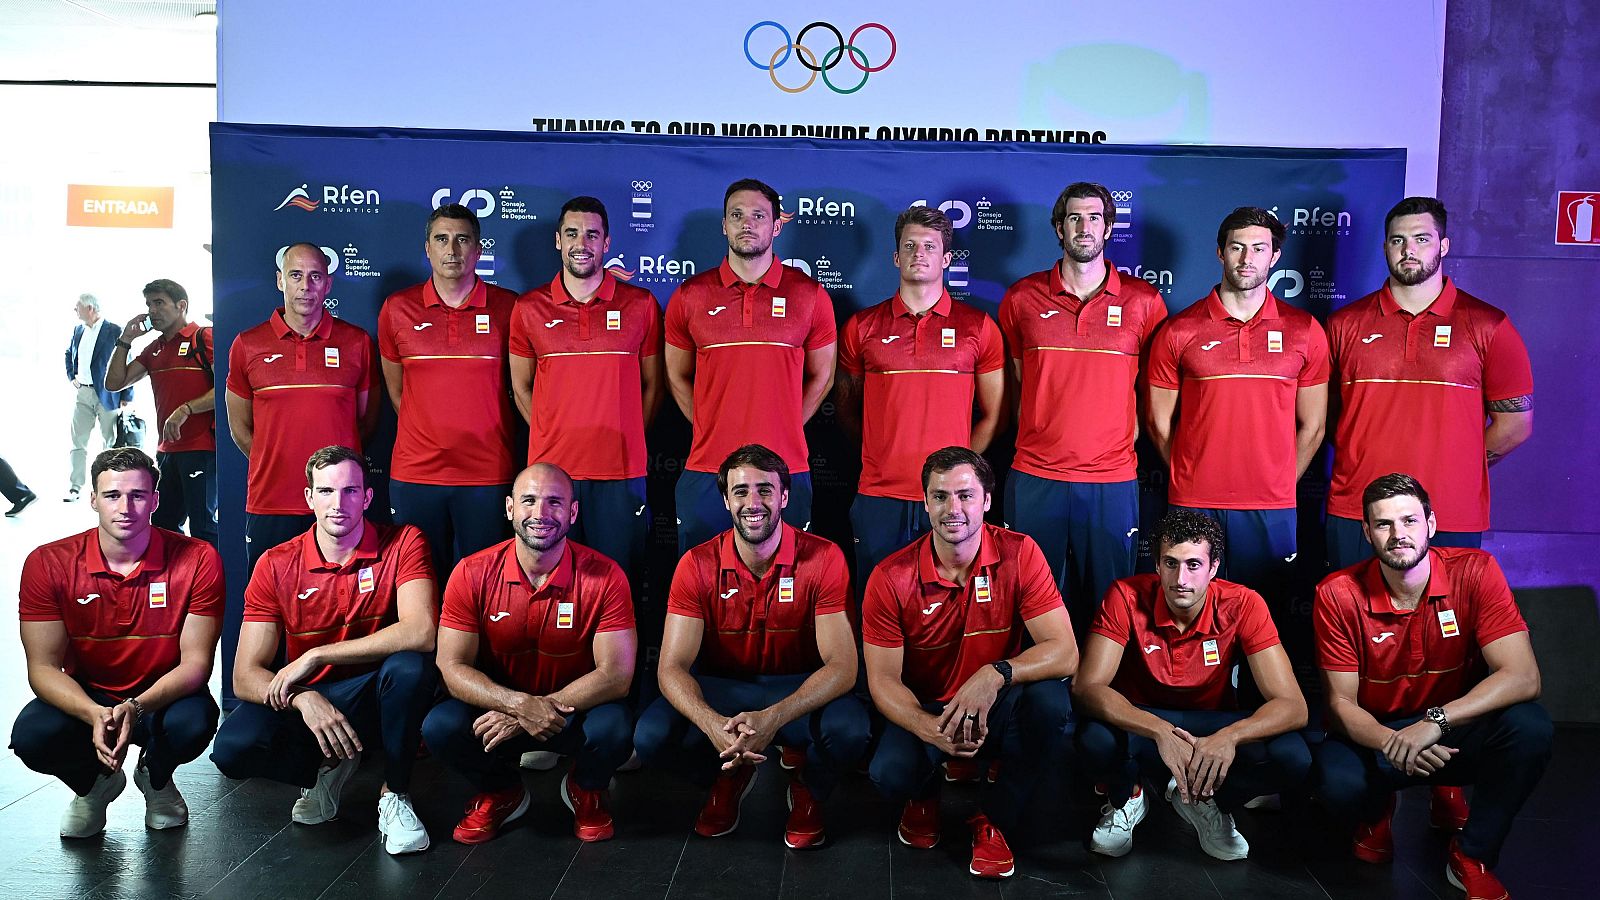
(1157, 695)
(758, 650)
(119, 625)
(352, 601)
(537, 647)
(1431, 679)
(943, 622)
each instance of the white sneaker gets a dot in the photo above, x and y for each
(1218, 838)
(1114, 835)
(398, 823)
(1266, 803)
(163, 808)
(540, 760)
(320, 802)
(86, 815)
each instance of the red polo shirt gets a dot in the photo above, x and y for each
(176, 377)
(316, 603)
(950, 632)
(919, 375)
(1414, 391)
(1088, 351)
(1238, 381)
(766, 626)
(588, 403)
(455, 406)
(305, 395)
(1411, 660)
(122, 630)
(537, 641)
(1193, 669)
(749, 343)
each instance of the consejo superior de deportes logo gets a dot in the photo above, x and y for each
(794, 49)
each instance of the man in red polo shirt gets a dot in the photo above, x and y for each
(352, 603)
(749, 353)
(909, 370)
(587, 372)
(943, 621)
(119, 625)
(1430, 679)
(536, 645)
(1252, 372)
(452, 447)
(301, 380)
(1157, 697)
(1419, 347)
(758, 650)
(179, 364)
(1078, 329)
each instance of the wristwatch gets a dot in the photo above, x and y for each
(1435, 714)
(138, 708)
(1004, 668)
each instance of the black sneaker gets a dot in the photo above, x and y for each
(22, 503)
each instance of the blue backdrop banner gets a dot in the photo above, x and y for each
(364, 194)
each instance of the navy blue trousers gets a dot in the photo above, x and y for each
(834, 737)
(1027, 733)
(188, 492)
(52, 742)
(457, 520)
(599, 740)
(614, 518)
(1504, 754)
(385, 706)
(1089, 534)
(881, 526)
(1276, 765)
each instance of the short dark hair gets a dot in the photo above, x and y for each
(947, 458)
(927, 217)
(1247, 216)
(453, 211)
(1395, 484)
(334, 454)
(1185, 526)
(1082, 190)
(169, 287)
(760, 187)
(586, 204)
(756, 457)
(123, 459)
(1416, 206)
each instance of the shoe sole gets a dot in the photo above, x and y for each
(566, 800)
(426, 843)
(737, 810)
(22, 504)
(527, 800)
(143, 787)
(1126, 848)
(114, 795)
(1006, 874)
(821, 837)
(1177, 806)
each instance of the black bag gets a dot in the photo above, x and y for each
(130, 430)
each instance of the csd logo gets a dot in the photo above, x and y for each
(1297, 281)
(470, 199)
(959, 211)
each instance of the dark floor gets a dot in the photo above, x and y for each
(240, 844)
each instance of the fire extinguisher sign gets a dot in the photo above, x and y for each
(1578, 218)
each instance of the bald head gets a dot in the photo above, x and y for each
(542, 508)
(548, 476)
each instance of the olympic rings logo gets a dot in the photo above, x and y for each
(642, 186)
(844, 49)
(1122, 196)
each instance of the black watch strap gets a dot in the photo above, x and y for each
(1004, 668)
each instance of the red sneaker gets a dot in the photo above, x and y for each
(991, 856)
(489, 812)
(1374, 841)
(591, 821)
(994, 771)
(792, 759)
(962, 771)
(803, 831)
(1448, 810)
(1472, 876)
(919, 824)
(720, 815)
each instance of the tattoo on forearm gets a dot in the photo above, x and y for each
(1513, 404)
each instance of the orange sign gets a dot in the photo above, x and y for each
(108, 206)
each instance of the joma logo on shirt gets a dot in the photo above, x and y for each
(498, 616)
(422, 326)
(1048, 314)
(1380, 638)
(273, 358)
(890, 339)
(712, 312)
(1370, 338)
(84, 601)
(1210, 345)
(553, 323)
(306, 594)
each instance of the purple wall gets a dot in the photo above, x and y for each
(1521, 121)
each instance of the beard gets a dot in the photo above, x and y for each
(1079, 253)
(1244, 284)
(582, 270)
(538, 543)
(756, 534)
(1401, 559)
(1421, 273)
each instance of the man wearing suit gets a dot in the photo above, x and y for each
(88, 354)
